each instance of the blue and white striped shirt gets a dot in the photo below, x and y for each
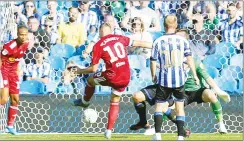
(32, 70)
(231, 32)
(170, 50)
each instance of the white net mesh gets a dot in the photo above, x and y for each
(43, 108)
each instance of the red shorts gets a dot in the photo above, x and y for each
(117, 82)
(9, 80)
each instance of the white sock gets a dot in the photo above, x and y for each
(180, 138)
(10, 127)
(158, 136)
(109, 131)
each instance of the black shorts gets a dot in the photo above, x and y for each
(150, 93)
(194, 96)
(163, 94)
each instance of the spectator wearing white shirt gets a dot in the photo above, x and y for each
(53, 14)
(148, 16)
(87, 16)
(38, 69)
(140, 34)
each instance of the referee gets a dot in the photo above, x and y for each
(170, 50)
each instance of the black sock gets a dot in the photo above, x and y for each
(141, 110)
(158, 121)
(180, 121)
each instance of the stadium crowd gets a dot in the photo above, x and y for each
(76, 23)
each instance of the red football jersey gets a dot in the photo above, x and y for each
(112, 49)
(12, 53)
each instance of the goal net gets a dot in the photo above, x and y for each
(44, 108)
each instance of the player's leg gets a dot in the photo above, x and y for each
(209, 96)
(92, 81)
(180, 112)
(14, 102)
(162, 95)
(140, 97)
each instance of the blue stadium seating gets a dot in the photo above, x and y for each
(216, 61)
(64, 89)
(103, 90)
(225, 49)
(240, 87)
(226, 84)
(32, 87)
(56, 62)
(42, 11)
(212, 71)
(237, 60)
(63, 50)
(232, 72)
(51, 87)
(80, 49)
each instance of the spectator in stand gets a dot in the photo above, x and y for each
(202, 41)
(212, 20)
(29, 11)
(72, 32)
(48, 27)
(41, 38)
(140, 34)
(87, 16)
(232, 28)
(38, 69)
(53, 14)
(148, 16)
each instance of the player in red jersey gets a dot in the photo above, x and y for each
(112, 49)
(10, 55)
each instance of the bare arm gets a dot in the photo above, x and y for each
(153, 70)
(191, 65)
(142, 44)
(90, 69)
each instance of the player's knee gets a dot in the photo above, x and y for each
(138, 97)
(90, 81)
(209, 96)
(14, 100)
(115, 98)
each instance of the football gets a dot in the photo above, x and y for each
(90, 116)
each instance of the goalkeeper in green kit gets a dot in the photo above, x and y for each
(193, 93)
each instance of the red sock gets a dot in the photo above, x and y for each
(12, 113)
(113, 114)
(89, 91)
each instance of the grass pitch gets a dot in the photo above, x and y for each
(117, 137)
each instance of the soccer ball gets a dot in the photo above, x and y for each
(90, 116)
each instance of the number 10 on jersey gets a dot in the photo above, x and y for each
(119, 50)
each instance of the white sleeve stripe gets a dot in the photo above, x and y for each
(13, 45)
(131, 42)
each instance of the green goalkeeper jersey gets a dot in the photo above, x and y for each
(202, 74)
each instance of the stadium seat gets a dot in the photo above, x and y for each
(51, 87)
(216, 61)
(226, 84)
(64, 89)
(237, 60)
(225, 49)
(212, 71)
(32, 87)
(232, 72)
(137, 61)
(105, 90)
(42, 11)
(80, 49)
(56, 62)
(62, 50)
(240, 87)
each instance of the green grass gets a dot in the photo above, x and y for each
(116, 137)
